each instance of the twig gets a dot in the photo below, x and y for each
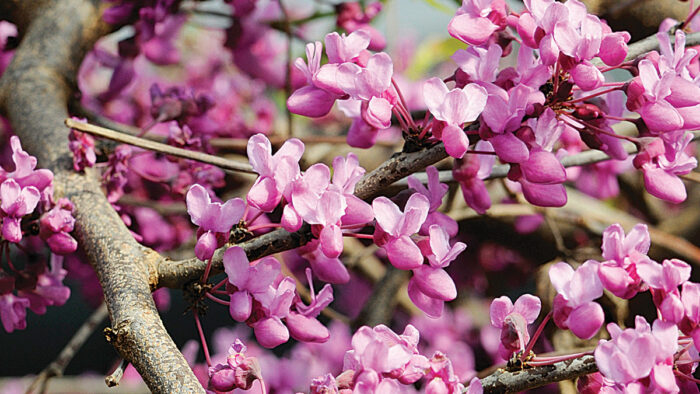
(58, 366)
(113, 379)
(379, 307)
(501, 171)
(220, 162)
(503, 381)
(175, 274)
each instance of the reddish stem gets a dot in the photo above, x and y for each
(689, 18)
(217, 300)
(263, 226)
(361, 236)
(534, 338)
(206, 271)
(202, 339)
(594, 95)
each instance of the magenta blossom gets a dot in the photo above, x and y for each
(454, 108)
(276, 171)
(214, 219)
(238, 372)
(435, 192)
(512, 320)
(430, 285)
(477, 20)
(302, 323)
(622, 253)
(394, 229)
(250, 280)
(15, 202)
(573, 306)
(13, 309)
(664, 280)
(632, 355)
(82, 146)
(55, 227)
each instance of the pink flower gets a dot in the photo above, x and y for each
(477, 20)
(302, 323)
(394, 229)
(690, 324)
(370, 84)
(24, 173)
(276, 171)
(380, 351)
(618, 273)
(663, 280)
(55, 227)
(353, 18)
(441, 377)
(662, 161)
(313, 100)
(573, 306)
(480, 64)
(648, 93)
(274, 306)
(238, 372)
(470, 172)
(83, 148)
(319, 203)
(634, 354)
(454, 107)
(430, 285)
(250, 280)
(49, 289)
(13, 309)
(15, 202)
(513, 319)
(435, 192)
(214, 219)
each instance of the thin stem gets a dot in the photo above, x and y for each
(264, 226)
(534, 338)
(481, 152)
(206, 271)
(594, 95)
(689, 18)
(403, 102)
(217, 300)
(201, 338)
(361, 236)
(218, 285)
(112, 380)
(113, 135)
(58, 366)
(684, 376)
(539, 361)
(620, 118)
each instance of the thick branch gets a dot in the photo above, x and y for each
(34, 91)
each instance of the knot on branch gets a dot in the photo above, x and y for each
(116, 335)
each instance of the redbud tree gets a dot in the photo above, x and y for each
(493, 213)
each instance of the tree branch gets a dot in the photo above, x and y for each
(175, 274)
(154, 146)
(34, 92)
(502, 381)
(58, 366)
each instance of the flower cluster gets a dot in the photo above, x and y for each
(262, 297)
(28, 210)
(382, 361)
